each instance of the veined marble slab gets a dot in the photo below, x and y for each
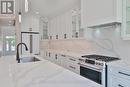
(40, 74)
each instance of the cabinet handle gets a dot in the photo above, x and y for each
(124, 74)
(63, 55)
(120, 85)
(49, 54)
(50, 37)
(72, 67)
(78, 63)
(76, 34)
(56, 36)
(65, 36)
(56, 56)
(72, 59)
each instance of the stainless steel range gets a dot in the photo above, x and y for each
(94, 67)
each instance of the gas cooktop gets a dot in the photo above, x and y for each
(101, 58)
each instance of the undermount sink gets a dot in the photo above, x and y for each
(29, 59)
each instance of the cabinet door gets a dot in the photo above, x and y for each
(26, 40)
(76, 23)
(126, 20)
(72, 64)
(35, 44)
(43, 54)
(114, 81)
(57, 59)
(32, 42)
(63, 60)
(50, 56)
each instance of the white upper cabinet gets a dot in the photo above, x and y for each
(126, 20)
(100, 12)
(60, 27)
(30, 22)
(76, 22)
(66, 25)
(44, 28)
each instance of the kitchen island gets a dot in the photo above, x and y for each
(39, 74)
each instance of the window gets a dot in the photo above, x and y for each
(10, 43)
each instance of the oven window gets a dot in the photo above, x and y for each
(91, 74)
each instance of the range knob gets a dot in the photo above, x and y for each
(96, 63)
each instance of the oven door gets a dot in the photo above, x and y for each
(92, 74)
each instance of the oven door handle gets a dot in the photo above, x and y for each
(99, 70)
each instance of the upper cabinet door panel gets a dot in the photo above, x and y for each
(97, 12)
(30, 22)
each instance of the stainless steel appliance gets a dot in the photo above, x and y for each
(94, 67)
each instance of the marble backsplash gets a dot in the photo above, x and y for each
(110, 39)
(72, 45)
(105, 38)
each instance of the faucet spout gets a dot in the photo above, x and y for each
(17, 55)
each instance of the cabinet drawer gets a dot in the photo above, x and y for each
(72, 60)
(119, 72)
(115, 81)
(74, 68)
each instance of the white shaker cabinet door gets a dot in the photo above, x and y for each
(114, 81)
(25, 39)
(35, 44)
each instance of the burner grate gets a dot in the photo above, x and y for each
(101, 58)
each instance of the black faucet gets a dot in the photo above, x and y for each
(17, 55)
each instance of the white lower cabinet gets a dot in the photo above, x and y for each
(49, 56)
(74, 67)
(115, 81)
(72, 64)
(63, 60)
(118, 77)
(45, 54)
(57, 59)
(68, 62)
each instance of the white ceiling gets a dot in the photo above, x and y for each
(52, 8)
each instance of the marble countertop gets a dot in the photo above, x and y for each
(124, 64)
(121, 63)
(39, 74)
